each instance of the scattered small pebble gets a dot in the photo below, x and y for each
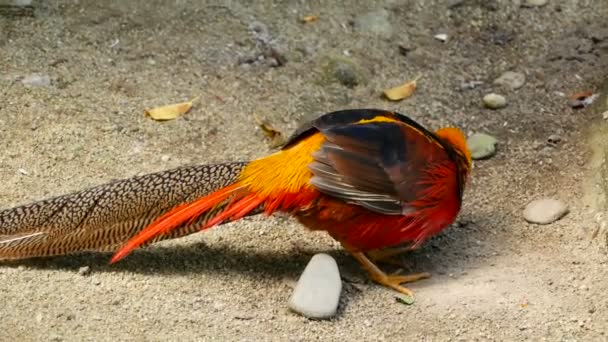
(467, 85)
(494, 101)
(441, 37)
(36, 80)
(345, 72)
(23, 172)
(554, 139)
(376, 22)
(317, 292)
(545, 211)
(534, 3)
(511, 80)
(454, 3)
(482, 146)
(55, 337)
(605, 115)
(84, 271)
(16, 3)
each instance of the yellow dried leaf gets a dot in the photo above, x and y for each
(169, 112)
(275, 136)
(309, 18)
(403, 91)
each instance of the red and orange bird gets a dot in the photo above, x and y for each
(372, 179)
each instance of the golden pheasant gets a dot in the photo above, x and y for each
(371, 179)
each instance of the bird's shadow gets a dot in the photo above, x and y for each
(434, 257)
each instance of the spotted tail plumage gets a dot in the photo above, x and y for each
(103, 218)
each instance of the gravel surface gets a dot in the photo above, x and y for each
(99, 64)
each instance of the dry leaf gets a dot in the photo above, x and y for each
(169, 112)
(403, 91)
(404, 299)
(275, 136)
(309, 18)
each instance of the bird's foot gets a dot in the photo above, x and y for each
(387, 255)
(392, 281)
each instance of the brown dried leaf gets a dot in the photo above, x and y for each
(309, 18)
(403, 91)
(276, 137)
(169, 112)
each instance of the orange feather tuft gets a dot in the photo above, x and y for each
(455, 137)
(175, 218)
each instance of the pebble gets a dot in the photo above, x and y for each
(345, 72)
(84, 271)
(511, 80)
(545, 211)
(554, 139)
(16, 3)
(441, 37)
(376, 22)
(494, 101)
(317, 292)
(482, 145)
(534, 3)
(36, 80)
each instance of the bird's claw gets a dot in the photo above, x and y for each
(394, 281)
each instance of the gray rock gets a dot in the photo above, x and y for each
(554, 139)
(534, 3)
(344, 71)
(482, 146)
(16, 3)
(317, 292)
(37, 80)
(545, 211)
(494, 101)
(511, 80)
(376, 22)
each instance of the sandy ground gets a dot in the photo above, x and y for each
(495, 277)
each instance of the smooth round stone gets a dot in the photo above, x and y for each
(511, 80)
(37, 80)
(482, 146)
(317, 292)
(545, 211)
(534, 3)
(494, 101)
(376, 22)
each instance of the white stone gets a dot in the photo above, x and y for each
(545, 211)
(442, 37)
(534, 3)
(37, 80)
(317, 292)
(494, 101)
(511, 80)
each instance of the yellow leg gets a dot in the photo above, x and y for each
(387, 255)
(392, 281)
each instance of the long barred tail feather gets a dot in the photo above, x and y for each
(104, 217)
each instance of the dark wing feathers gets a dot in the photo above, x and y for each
(379, 165)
